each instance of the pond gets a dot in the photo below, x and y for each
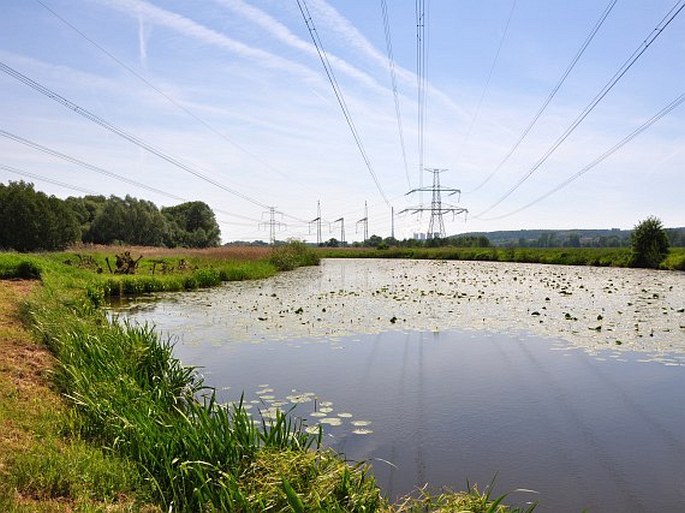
(567, 382)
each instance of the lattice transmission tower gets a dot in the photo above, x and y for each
(436, 226)
(272, 223)
(317, 221)
(364, 221)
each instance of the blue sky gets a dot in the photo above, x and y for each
(266, 124)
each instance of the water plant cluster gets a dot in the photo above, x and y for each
(152, 420)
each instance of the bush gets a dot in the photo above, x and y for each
(292, 255)
(649, 244)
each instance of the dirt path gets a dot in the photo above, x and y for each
(23, 362)
(27, 402)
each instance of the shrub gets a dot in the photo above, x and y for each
(649, 244)
(292, 255)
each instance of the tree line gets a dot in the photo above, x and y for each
(30, 220)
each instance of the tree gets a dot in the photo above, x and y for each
(192, 224)
(129, 220)
(86, 210)
(32, 221)
(649, 243)
(373, 241)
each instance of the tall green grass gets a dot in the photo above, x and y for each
(135, 399)
(604, 257)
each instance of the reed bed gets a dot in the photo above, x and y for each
(222, 253)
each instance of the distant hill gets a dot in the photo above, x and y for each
(612, 237)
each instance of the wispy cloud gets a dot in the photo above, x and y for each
(283, 34)
(335, 22)
(142, 41)
(189, 28)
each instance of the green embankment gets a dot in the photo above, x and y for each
(145, 433)
(605, 257)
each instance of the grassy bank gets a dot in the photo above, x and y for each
(137, 431)
(605, 257)
(45, 465)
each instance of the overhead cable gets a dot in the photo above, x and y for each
(102, 171)
(393, 77)
(632, 135)
(27, 174)
(166, 96)
(653, 35)
(551, 95)
(421, 52)
(487, 81)
(40, 178)
(122, 133)
(304, 10)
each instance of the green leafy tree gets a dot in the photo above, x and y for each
(374, 241)
(649, 243)
(192, 224)
(32, 221)
(86, 210)
(129, 221)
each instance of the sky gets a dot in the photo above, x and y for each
(228, 102)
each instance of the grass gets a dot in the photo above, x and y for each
(111, 421)
(44, 464)
(605, 257)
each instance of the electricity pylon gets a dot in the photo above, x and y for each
(436, 226)
(317, 220)
(272, 223)
(342, 229)
(364, 221)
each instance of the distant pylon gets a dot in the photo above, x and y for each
(436, 226)
(342, 229)
(365, 221)
(272, 223)
(317, 220)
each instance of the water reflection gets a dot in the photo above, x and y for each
(446, 407)
(557, 407)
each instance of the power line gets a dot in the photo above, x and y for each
(102, 171)
(421, 81)
(122, 133)
(487, 82)
(28, 174)
(304, 10)
(654, 34)
(632, 135)
(551, 95)
(393, 77)
(166, 96)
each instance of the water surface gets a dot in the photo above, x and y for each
(594, 425)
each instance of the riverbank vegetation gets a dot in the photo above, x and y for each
(116, 423)
(605, 257)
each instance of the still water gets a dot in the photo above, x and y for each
(598, 429)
